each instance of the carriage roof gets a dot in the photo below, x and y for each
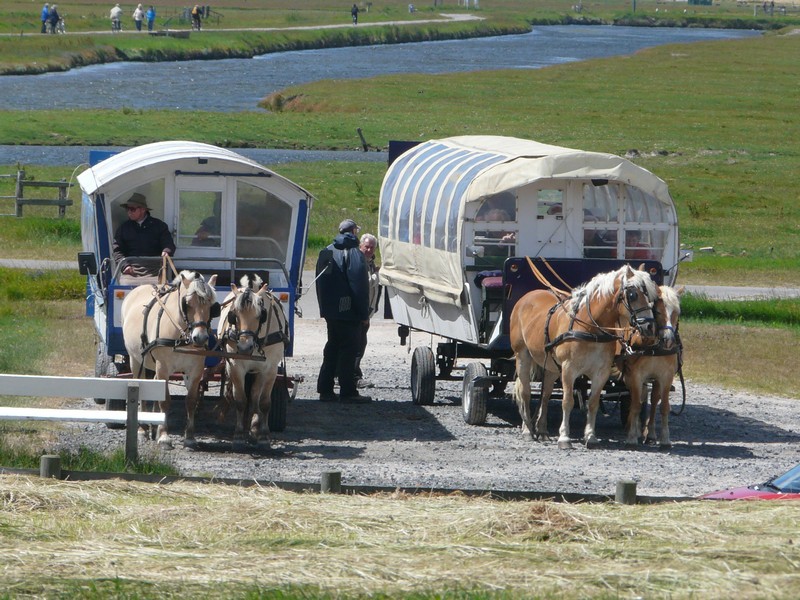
(141, 157)
(432, 189)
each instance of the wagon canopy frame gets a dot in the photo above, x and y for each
(432, 193)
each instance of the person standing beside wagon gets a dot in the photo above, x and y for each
(369, 244)
(343, 297)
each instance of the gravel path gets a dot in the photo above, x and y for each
(724, 438)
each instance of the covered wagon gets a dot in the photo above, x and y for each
(468, 225)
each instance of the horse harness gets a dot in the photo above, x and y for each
(233, 333)
(603, 337)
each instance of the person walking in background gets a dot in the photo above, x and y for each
(343, 297)
(116, 19)
(151, 17)
(368, 246)
(53, 18)
(196, 14)
(354, 14)
(45, 16)
(138, 17)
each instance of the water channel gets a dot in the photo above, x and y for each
(238, 84)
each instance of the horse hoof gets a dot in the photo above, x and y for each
(592, 443)
(190, 444)
(667, 446)
(239, 446)
(564, 445)
(165, 443)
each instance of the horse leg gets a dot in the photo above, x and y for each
(136, 369)
(636, 387)
(664, 441)
(548, 382)
(236, 379)
(259, 426)
(162, 435)
(567, 402)
(649, 434)
(522, 391)
(598, 377)
(193, 383)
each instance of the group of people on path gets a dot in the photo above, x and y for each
(348, 292)
(51, 20)
(139, 16)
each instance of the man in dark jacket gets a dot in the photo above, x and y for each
(343, 297)
(141, 235)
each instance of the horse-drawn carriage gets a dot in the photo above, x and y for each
(469, 225)
(229, 216)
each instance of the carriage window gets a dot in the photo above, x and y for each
(263, 223)
(550, 202)
(153, 191)
(601, 201)
(199, 219)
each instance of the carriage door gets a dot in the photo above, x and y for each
(545, 207)
(200, 218)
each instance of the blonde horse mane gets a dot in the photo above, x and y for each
(605, 284)
(197, 286)
(249, 297)
(672, 299)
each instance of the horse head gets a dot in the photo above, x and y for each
(636, 295)
(198, 305)
(247, 314)
(667, 310)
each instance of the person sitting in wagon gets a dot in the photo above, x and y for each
(140, 236)
(635, 248)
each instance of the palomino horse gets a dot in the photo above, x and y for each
(576, 335)
(657, 363)
(156, 322)
(252, 324)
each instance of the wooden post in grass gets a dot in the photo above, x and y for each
(330, 482)
(626, 492)
(50, 466)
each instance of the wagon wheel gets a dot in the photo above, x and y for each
(474, 397)
(423, 376)
(279, 403)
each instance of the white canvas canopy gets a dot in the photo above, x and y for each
(431, 191)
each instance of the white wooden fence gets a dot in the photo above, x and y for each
(133, 391)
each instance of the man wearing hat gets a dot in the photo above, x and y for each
(343, 297)
(141, 235)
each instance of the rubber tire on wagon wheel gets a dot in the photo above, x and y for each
(423, 376)
(279, 404)
(474, 397)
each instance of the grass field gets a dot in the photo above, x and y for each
(128, 540)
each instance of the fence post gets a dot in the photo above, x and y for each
(626, 492)
(331, 482)
(18, 191)
(62, 196)
(132, 431)
(50, 466)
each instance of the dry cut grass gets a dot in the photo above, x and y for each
(142, 540)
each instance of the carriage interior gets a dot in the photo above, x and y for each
(249, 231)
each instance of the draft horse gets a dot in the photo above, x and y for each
(158, 322)
(574, 335)
(657, 364)
(254, 330)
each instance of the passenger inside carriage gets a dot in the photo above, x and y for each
(635, 248)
